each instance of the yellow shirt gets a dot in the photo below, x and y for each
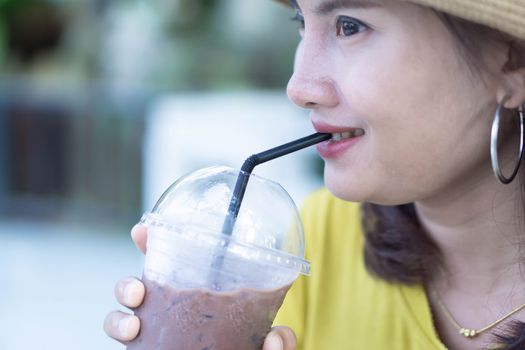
(340, 306)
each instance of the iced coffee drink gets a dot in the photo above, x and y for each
(176, 319)
(208, 290)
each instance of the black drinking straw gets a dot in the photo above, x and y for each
(240, 188)
(251, 162)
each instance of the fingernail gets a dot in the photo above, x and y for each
(123, 327)
(128, 292)
(134, 229)
(273, 342)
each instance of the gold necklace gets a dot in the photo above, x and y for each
(467, 332)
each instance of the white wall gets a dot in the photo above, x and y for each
(57, 283)
(190, 131)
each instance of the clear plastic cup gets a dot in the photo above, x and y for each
(209, 290)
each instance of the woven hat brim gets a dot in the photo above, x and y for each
(505, 15)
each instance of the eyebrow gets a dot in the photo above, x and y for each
(329, 6)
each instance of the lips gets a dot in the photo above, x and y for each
(343, 138)
(337, 129)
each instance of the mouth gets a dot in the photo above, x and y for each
(339, 136)
(343, 139)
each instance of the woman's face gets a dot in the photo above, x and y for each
(392, 69)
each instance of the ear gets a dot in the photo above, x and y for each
(512, 85)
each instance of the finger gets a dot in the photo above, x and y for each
(130, 292)
(139, 234)
(280, 338)
(121, 326)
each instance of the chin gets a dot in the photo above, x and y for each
(345, 188)
(351, 189)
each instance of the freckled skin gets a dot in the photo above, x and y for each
(200, 319)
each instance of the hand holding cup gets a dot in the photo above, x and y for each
(130, 293)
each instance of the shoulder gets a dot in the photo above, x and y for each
(319, 304)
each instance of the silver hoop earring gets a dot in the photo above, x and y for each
(494, 144)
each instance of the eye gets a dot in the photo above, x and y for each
(299, 18)
(347, 26)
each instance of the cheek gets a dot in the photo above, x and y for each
(412, 100)
(397, 99)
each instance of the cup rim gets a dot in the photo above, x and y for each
(262, 254)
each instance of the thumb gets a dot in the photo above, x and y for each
(280, 338)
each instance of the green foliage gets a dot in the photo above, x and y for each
(10, 7)
(195, 17)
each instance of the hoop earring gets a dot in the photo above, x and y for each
(494, 144)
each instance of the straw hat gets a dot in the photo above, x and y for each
(505, 15)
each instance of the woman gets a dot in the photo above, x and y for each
(432, 259)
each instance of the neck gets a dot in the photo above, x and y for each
(478, 231)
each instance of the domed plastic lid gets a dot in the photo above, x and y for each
(268, 229)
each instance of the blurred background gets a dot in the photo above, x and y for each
(103, 104)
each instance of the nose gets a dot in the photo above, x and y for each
(310, 85)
